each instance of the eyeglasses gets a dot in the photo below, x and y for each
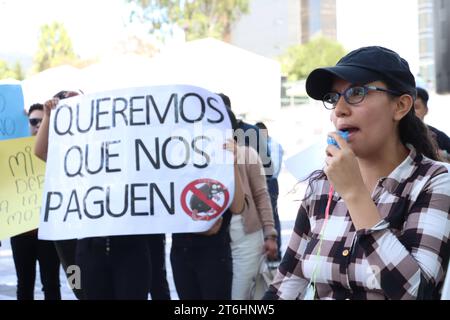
(35, 121)
(352, 95)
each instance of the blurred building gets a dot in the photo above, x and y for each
(274, 25)
(318, 17)
(434, 44)
(426, 42)
(442, 45)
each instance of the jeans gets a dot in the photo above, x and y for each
(202, 272)
(114, 268)
(159, 287)
(27, 249)
(66, 250)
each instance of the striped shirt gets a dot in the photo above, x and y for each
(404, 256)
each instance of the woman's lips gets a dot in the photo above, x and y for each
(352, 132)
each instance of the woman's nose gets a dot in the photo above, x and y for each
(342, 108)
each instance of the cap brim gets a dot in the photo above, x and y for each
(320, 81)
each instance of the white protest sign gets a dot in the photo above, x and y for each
(305, 162)
(137, 161)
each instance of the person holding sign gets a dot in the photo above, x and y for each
(111, 267)
(27, 248)
(375, 222)
(65, 248)
(202, 262)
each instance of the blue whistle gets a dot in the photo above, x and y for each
(343, 134)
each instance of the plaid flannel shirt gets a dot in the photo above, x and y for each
(404, 256)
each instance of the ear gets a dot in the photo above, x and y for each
(403, 106)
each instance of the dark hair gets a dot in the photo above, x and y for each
(227, 103)
(423, 94)
(234, 123)
(261, 125)
(226, 99)
(36, 106)
(413, 131)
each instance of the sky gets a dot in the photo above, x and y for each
(96, 25)
(92, 24)
(389, 23)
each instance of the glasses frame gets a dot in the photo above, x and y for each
(332, 106)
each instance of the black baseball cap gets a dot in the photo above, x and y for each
(362, 66)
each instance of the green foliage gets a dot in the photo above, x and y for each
(198, 18)
(18, 71)
(54, 48)
(14, 72)
(299, 60)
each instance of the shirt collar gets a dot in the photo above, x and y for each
(402, 171)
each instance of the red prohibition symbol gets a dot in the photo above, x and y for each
(204, 199)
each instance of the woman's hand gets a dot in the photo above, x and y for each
(271, 248)
(231, 146)
(342, 168)
(214, 229)
(49, 105)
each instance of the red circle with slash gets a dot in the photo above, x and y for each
(215, 208)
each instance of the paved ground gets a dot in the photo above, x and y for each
(288, 206)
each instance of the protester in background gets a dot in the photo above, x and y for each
(276, 157)
(27, 248)
(35, 115)
(375, 223)
(66, 248)
(421, 109)
(113, 267)
(250, 135)
(252, 229)
(201, 262)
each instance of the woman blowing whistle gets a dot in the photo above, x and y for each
(375, 222)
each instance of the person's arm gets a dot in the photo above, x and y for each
(277, 157)
(289, 283)
(261, 197)
(408, 263)
(343, 172)
(41, 144)
(237, 205)
(411, 263)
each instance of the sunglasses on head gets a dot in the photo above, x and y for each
(35, 121)
(66, 94)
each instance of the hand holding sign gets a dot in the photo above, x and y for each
(214, 229)
(50, 105)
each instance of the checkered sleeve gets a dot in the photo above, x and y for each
(289, 283)
(411, 264)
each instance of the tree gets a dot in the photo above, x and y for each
(299, 60)
(14, 72)
(18, 71)
(198, 18)
(135, 44)
(55, 47)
